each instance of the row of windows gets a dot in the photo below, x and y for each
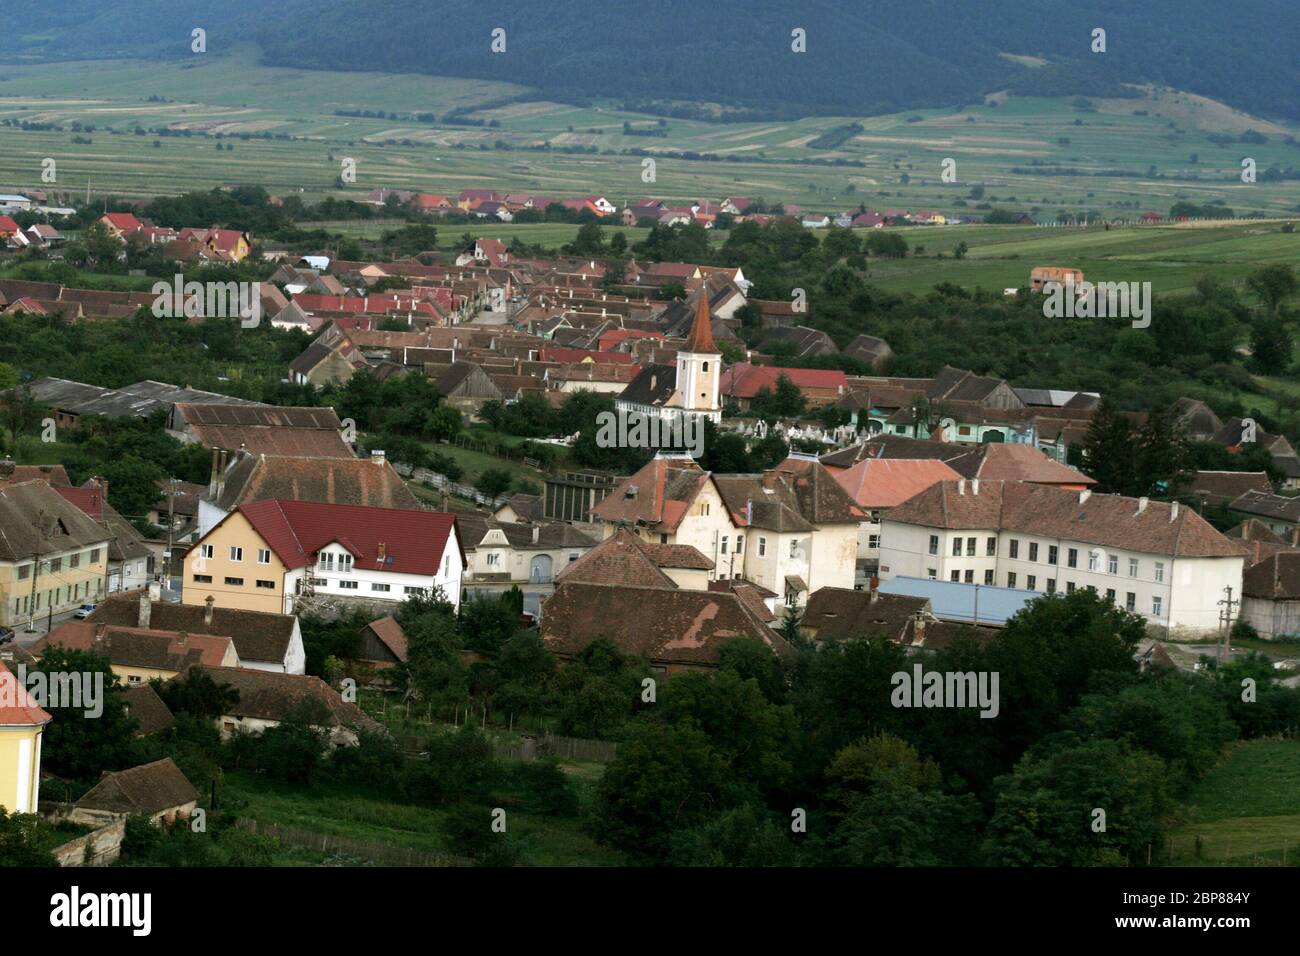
(55, 565)
(1053, 554)
(234, 582)
(1031, 584)
(236, 553)
(48, 599)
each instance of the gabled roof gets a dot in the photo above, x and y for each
(266, 695)
(1277, 507)
(1153, 527)
(886, 482)
(1217, 487)
(147, 709)
(796, 496)
(150, 788)
(843, 614)
(671, 625)
(617, 560)
(258, 635)
(173, 651)
(413, 541)
(1016, 462)
(1276, 578)
(18, 707)
(390, 634)
(658, 496)
(35, 518)
(744, 380)
(351, 481)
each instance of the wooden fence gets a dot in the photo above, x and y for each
(531, 747)
(384, 853)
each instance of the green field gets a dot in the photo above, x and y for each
(1104, 157)
(1246, 811)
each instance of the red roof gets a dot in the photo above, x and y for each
(88, 500)
(582, 355)
(17, 707)
(886, 482)
(614, 336)
(124, 221)
(414, 541)
(743, 380)
(8, 227)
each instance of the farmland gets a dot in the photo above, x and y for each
(1049, 156)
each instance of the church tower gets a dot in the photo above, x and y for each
(699, 365)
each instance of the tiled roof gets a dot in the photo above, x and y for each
(350, 481)
(664, 624)
(18, 707)
(842, 614)
(657, 496)
(150, 788)
(1217, 487)
(1276, 578)
(138, 647)
(886, 482)
(1277, 507)
(1015, 462)
(796, 496)
(147, 709)
(618, 560)
(700, 340)
(1110, 520)
(271, 696)
(743, 380)
(391, 635)
(258, 635)
(35, 518)
(413, 541)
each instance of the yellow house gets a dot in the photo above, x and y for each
(139, 654)
(53, 556)
(234, 565)
(22, 724)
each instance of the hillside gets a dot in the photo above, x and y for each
(685, 58)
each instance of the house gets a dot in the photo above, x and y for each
(668, 501)
(226, 245)
(158, 790)
(22, 725)
(1157, 559)
(1279, 513)
(263, 641)
(1223, 487)
(836, 615)
(878, 484)
(147, 709)
(742, 382)
(313, 432)
(627, 558)
(1042, 276)
(1270, 595)
(238, 479)
(735, 205)
(961, 603)
(119, 225)
(798, 341)
(130, 560)
(53, 556)
(383, 644)
(500, 554)
(1197, 420)
(141, 654)
(273, 555)
(267, 700)
(10, 202)
(674, 629)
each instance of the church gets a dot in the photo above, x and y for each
(688, 389)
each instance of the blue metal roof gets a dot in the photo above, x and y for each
(953, 601)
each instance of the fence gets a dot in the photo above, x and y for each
(532, 747)
(443, 483)
(360, 849)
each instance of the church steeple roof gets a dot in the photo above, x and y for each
(701, 337)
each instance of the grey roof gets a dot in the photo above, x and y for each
(473, 527)
(139, 400)
(34, 518)
(953, 601)
(653, 385)
(1277, 507)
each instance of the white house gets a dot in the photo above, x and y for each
(1156, 559)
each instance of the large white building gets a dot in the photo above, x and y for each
(689, 389)
(1157, 559)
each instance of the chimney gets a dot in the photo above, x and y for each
(1084, 495)
(537, 532)
(961, 486)
(382, 552)
(975, 486)
(181, 637)
(207, 610)
(872, 587)
(918, 629)
(146, 609)
(1173, 511)
(216, 473)
(1142, 504)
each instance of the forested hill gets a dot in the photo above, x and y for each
(888, 55)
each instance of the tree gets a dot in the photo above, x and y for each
(1108, 450)
(86, 736)
(1274, 284)
(1270, 345)
(494, 482)
(20, 841)
(197, 694)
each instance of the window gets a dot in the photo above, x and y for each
(956, 577)
(1132, 567)
(269, 585)
(970, 547)
(326, 561)
(94, 556)
(348, 585)
(263, 555)
(1032, 582)
(1157, 606)
(988, 577)
(704, 507)
(345, 563)
(1072, 558)
(133, 678)
(1160, 570)
(56, 564)
(1033, 551)
(1110, 595)
(762, 547)
(873, 541)
(205, 551)
(410, 590)
(23, 571)
(573, 556)
(724, 545)
(1015, 547)
(934, 544)
(1130, 601)
(236, 553)
(1069, 587)
(382, 588)
(202, 579)
(235, 582)
(1051, 585)
(663, 539)
(319, 582)
(446, 564)
(970, 576)
(933, 573)
(493, 559)
(74, 561)
(1011, 579)
(956, 547)
(1094, 561)
(1112, 565)
(991, 547)
(740, 543)
(1051, 554)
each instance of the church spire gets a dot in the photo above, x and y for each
(701, 338)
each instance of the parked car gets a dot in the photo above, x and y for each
(6, 635)
(84, 611)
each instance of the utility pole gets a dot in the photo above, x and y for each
(171, 523)
(1225, 622)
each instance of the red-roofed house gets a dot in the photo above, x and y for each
(229, 245)
(268, 555)
(21, 725)
(119, 224)
(741, 383)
